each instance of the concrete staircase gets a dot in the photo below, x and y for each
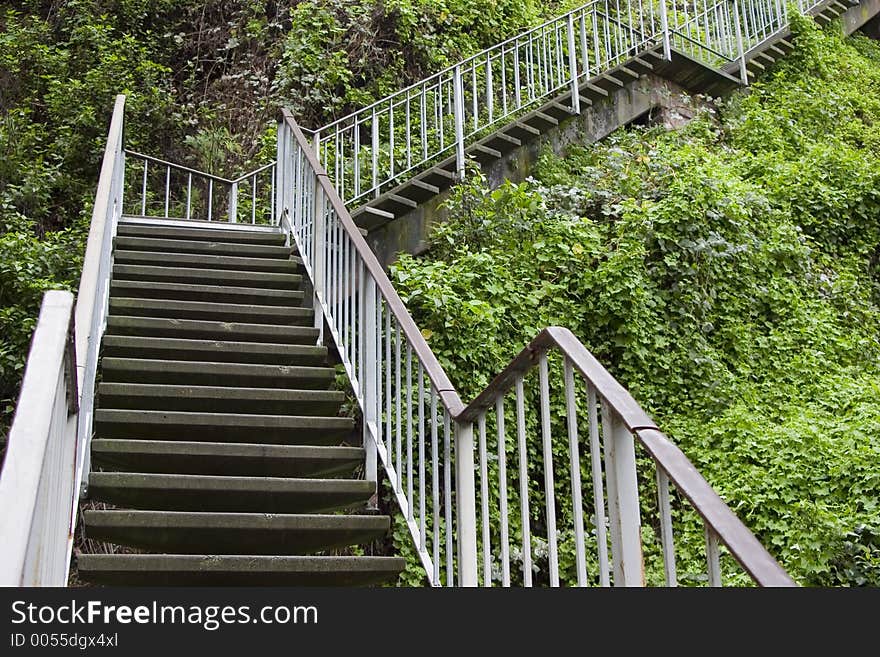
(218, 448)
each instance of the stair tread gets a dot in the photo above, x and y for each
(245, 352)
(141, 417)
(224, 458)
(261, 369)
(157, 272)
(232, 533)
(195, 492)
(169, 327)
(212, 234)
(170, 569)
(219, 392)
(185, 309)
(155, 288)
(167, 447)
(221, 519)
(200, 246)
(222, 262)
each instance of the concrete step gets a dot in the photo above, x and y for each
(224, 427)
(277, 265)
(164, 327)
(206, 234)
(221, 312)
(217, 399)
(183, 532)
(132, 346)
(236, 570)
(179, 492)
(201, 246)
(260, 375)
(233, 459)
(183, 275)
(213, 293)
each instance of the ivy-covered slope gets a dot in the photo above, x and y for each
(726, 273)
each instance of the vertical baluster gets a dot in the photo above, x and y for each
(391, 140)
(503, 83)
(352, 306)
(713, 560)
(585, 53)
(447, 497)
(409, 430)
(144, 191)
(490, 92)
(484, 501)
(502, 491)
(399, 412)
(388, 392)
(356, 156)
(516, 77)
(474, 108)
(210, 198)
(666, 537)
(549, 492)
(254, 199)
(422, 523)
(575, 463)
(523, 483)
(189, 182)
(598, 492)
(408, 130)
(423, 120)
(435, 488)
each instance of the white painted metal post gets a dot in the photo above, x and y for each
(466, 503)
(623, 501)
(664, 24)
(743, 71)
(318, 247)
(233, 203)
(573, 69)
(370, 380)
(280, 170)
(458, 110)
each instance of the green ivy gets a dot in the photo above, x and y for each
(726, 274)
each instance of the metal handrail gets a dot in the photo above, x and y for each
(382, 348)
(380, 146)
(38, 487)
(204, 207)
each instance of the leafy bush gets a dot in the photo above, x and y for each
(726, 274)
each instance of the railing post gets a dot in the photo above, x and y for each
(370, 379)
(573, 68)
(233, 203)
(280, 169)
(458, 110)
(664, 25)
(318, 246)
(623, 501)
(466, 504)
(743, 71)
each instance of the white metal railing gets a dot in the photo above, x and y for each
(374, 149)
(38, 490)
(47, 462)
(165, 190)
(416, 425)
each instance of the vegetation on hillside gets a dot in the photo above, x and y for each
(204, 81)
(727, 275)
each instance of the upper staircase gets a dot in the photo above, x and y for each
(219, 456)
